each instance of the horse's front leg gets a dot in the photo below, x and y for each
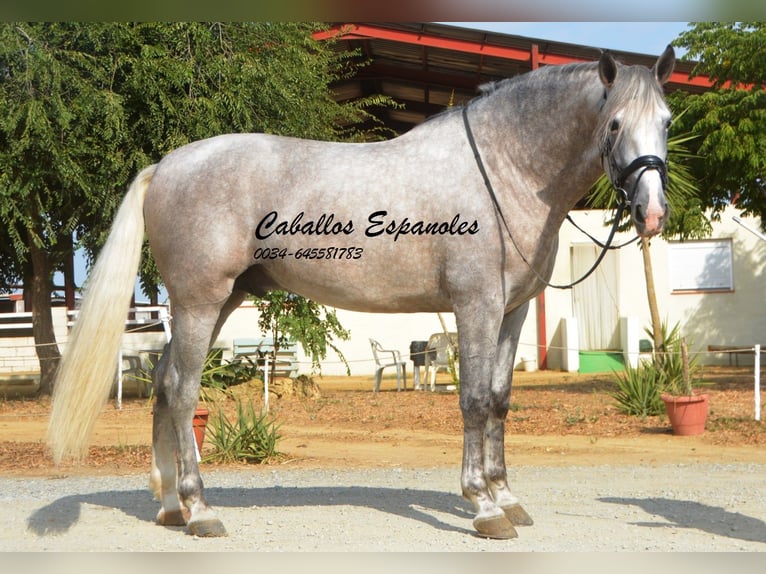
(495, 471)
(477, 347)
(173, 447)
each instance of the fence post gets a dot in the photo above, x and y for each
(757, 382)
(266, 383)
(165, 318)
(119, 380)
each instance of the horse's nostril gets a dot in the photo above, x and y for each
(639, 215)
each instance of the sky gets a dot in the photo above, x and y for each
(640, 37)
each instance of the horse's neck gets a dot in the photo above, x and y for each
(543, 143)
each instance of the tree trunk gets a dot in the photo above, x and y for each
(651, 296)
(41, 285)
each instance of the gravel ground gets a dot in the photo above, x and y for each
(697, 507)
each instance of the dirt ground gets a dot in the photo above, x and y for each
(555, 419)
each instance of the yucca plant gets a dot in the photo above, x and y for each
(638, 390)
(251, 437)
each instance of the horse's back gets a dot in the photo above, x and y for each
(224, 205)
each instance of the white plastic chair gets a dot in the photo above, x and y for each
(380, 362)
(439, 353)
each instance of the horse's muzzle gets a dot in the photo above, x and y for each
(649, 210)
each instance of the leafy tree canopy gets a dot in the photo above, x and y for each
(729, 122)
(84, 106)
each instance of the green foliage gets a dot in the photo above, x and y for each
(251, 437)
(85, 105)
(680, 374)
(729, 121)
(638, 390)
(288, 316)
(221, 374)
(62, 128)
(727, 51)
(217, 374)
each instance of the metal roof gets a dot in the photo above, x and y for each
(427, 67)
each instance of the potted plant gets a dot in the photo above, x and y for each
(199, 424)
(685, 406)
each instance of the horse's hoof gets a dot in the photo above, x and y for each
(517, 515)
(172, 518)
(498, 527)
(207, 528)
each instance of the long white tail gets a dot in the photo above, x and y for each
(89, 362)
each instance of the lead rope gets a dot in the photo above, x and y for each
(605, 247)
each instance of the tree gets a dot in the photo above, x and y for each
(84, 105)
(289, 316)
(730, 120)
(61, 126)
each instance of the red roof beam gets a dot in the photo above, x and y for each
(366, 32)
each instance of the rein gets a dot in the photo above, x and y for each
(596, 241)
(643, 161)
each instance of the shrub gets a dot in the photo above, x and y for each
(252, 437)
(638, 390)
(218, 373)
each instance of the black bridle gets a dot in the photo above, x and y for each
(624, 199)
(643, 163)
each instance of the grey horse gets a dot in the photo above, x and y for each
(459, 214)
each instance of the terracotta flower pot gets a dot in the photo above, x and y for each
(687, 414)
(199, 423)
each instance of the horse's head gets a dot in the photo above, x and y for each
(633, 133)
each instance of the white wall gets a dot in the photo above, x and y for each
(393, 331)
(714, 318)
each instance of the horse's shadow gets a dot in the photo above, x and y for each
(698, 516)
(423, 505)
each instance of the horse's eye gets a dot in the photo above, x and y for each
(668, 124)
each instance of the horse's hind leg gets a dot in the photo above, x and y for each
(163, 477)
(178, 381)
(495, 471)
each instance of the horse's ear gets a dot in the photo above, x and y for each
(665, 64)
(607, 69)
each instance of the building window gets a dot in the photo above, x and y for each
(701, 266)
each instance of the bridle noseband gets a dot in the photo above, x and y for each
(643, 163)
